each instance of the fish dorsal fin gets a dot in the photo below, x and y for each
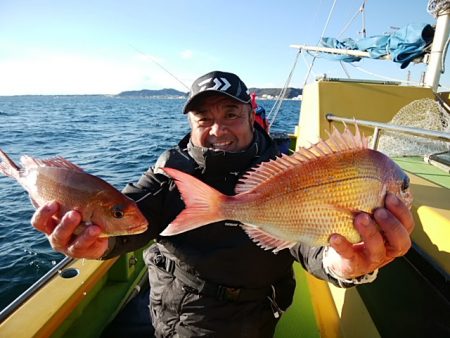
(57, 162)
(346, 140)
(337, 142)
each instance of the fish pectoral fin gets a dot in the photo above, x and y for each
(345, 210)
(34, 203)
(265, 240)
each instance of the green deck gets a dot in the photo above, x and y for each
(299, 320)
(417, 166)
(411, 296)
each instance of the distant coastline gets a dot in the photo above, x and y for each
(170, 93)
(261, 93)
(166, 93)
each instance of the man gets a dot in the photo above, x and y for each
(214, 281)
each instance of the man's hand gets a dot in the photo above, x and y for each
(60, 233)
(380, 244)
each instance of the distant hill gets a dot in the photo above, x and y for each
(265, 93)
(161, 93)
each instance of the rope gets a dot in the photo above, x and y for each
(161, 66)
(359, 11)
(276, 107)
(307, 64)
(309, 70)
(345, 70)
(321, 36)
(444, 55)
(328, 20)
(383, 77)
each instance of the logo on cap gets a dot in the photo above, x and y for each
(227, 83)
(221, 84)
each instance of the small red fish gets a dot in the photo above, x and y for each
(60, 180)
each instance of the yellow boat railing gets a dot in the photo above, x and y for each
(57, 269)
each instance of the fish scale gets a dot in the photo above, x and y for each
(306, 209)
(53, 181)
(305, 197)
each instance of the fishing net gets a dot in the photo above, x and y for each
(425, 114)
(437, 6)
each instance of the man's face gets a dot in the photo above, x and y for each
(219, 122)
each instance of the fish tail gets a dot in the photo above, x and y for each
(203, 203)
(7, 166)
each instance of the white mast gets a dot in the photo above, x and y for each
(435, 60)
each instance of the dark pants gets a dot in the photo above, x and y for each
(133, 321)
(178, 311)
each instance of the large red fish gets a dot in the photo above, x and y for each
(305, 197)
(60, 180)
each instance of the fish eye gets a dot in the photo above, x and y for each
(117, 211)
(405, 183)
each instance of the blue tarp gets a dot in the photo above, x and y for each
(404, 45)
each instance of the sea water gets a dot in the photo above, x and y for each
(114, 138)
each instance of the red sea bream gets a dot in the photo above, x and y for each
(305, 197)
(60, 180)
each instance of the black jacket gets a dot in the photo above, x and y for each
(219, 252)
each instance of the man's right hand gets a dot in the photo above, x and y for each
(60, 233)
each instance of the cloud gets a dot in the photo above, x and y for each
(60, 74)
(140, 56)
(186, 54)
(67, 73)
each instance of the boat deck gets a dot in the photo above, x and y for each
(430, 208)
(420, 168)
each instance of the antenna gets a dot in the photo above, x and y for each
(363, 18)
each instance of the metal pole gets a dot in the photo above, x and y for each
(435, 62)
(339, 51)
(32, 289)
(375, 138)
(439, 135)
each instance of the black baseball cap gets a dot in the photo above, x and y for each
(228, 84)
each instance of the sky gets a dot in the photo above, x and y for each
(106, 47)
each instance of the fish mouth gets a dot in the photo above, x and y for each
(129, 231)
(406, 197)
(138, 228)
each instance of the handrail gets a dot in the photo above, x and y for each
(434, 134)
(33, 288)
